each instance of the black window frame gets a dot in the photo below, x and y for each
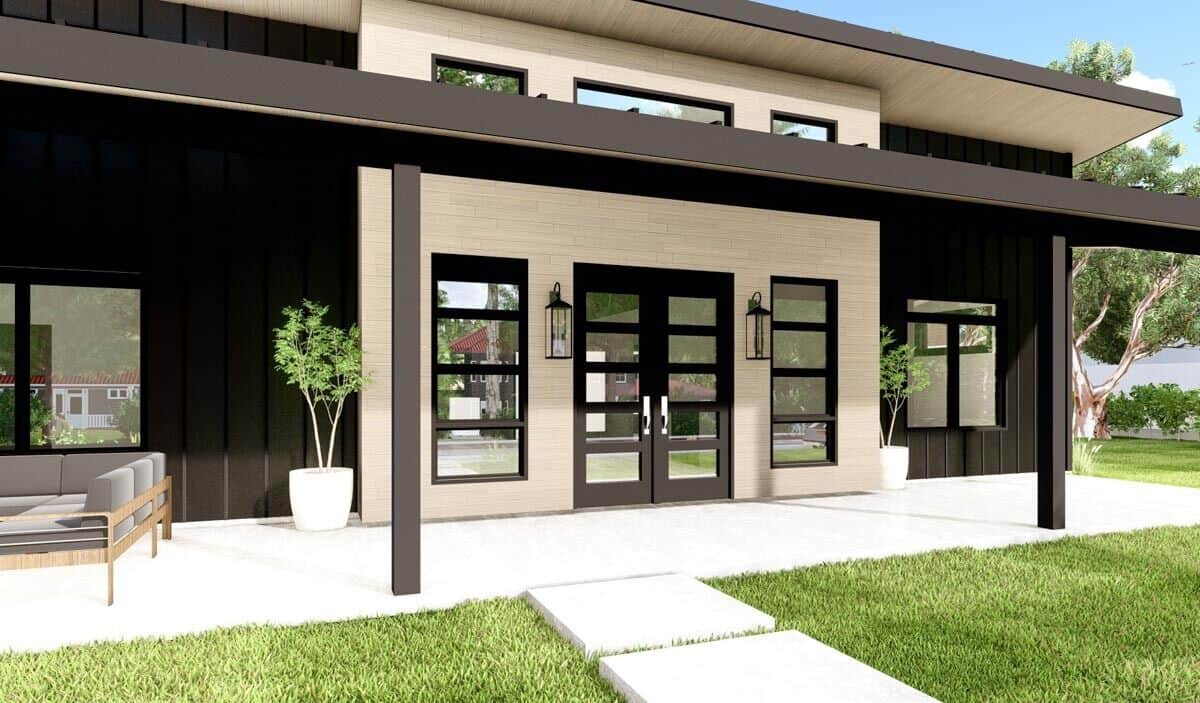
(829, 373)
(521, 74)
(23, 281)
(644, 94)
(830, 125)
(953, 322)
(466, 268)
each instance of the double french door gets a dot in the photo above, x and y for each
(653, 385)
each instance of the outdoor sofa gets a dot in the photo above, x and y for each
(75, 509)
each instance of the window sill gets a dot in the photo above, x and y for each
(442, 481)
(806, 465)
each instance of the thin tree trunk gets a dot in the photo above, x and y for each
(312, 412)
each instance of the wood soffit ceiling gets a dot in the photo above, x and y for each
(922, 84)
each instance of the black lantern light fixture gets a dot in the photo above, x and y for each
(558, 326)
(758, 329)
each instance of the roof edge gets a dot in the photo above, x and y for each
(801, 24)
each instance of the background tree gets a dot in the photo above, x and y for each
(1128, 304)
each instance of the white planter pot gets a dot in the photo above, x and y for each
(321, 498)
(894, 467)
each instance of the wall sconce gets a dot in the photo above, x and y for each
(558, 326)
(758, 329)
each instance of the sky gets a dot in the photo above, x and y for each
(1164, 35)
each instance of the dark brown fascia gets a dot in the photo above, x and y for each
(799, 24)
(169, 71)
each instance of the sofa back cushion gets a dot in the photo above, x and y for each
(38, 475)
(143, 480)
(78, 470)
(106, 493)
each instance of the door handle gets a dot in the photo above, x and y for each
(646, 414)
(665, 415)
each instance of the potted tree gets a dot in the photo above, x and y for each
(899, 378)
(325, 363)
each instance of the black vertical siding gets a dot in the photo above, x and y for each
(951, 252)
(976, 151)
(169, 21)
(224, 237)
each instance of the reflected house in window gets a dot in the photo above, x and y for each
(84, 402)
(473, 404)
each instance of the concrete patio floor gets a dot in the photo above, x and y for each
(215, 575)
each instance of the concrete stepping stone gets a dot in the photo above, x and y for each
(779, 666)
(653, 611)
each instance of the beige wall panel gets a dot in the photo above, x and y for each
(399, 37)
(553, 228)
(375, 319)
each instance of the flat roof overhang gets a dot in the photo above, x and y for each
(922, 84)
(80, 59)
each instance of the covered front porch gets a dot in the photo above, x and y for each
(252, 572)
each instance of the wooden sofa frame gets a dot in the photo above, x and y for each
(116, 546)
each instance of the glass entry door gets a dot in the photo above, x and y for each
(653, 385)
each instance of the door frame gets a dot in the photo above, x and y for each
(655, 286)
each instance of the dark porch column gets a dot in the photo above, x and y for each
(1053, 392)
(406, 379)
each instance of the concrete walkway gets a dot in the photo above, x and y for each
(220, 575)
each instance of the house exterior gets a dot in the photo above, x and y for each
(432, 170)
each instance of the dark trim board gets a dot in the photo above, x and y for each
(43, 51)
(1053, 436)
(406, 374)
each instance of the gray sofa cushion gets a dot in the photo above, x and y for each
(106, 493)
(34, 475)
(143, 480)
(36, 536)
(18, 505)
(79, 469)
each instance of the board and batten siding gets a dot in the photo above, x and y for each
(400, 38)
(553, 228)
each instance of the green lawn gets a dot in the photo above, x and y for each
(1150, 460)
(1113, 618)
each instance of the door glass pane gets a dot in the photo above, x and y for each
(692, 386)
(478, 397)
(463, 453)
(686, 349)
(799, 442)
(950, 307)
(692, 463)
(614, 468)
(977, 376)
(612, 347)
(800, 396)
(692, 311)
(799, 350)
(612, 387)
(84, 342)
(613, 307)
(478, 341)
(793, 302)
(613, 427)
(478, 296)
(927, 408)
(8, 377)
(693, 424)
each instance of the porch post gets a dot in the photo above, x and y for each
(406, 379)
(1052, 417)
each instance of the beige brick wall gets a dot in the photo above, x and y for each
(375, 318)
(554, 228)
(399, 37)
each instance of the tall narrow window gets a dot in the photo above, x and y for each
(481, 76)
(480, 367)
(803, 371)
(82, 369)
(803, 127)
(645, 102)
(8, 367)
(958, 345)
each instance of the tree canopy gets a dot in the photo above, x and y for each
(1100, 61)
